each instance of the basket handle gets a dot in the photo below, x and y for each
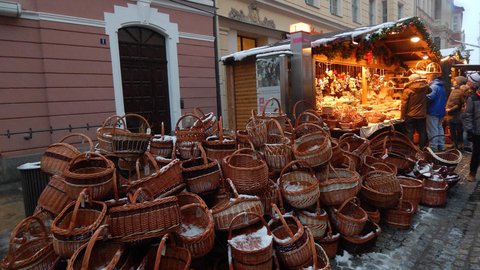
(90, 143)
(245, 215)
(232, 186)
(305, 114)
(294, 110)
(147, 156)
(203, 154)
(284, 223)
(161, 248)
(255, 154)
(81, 199)
(88, 251)
(264, 107)
(188, 115)
(302, 164)
(118, 119)
(162, 129)
(354, 200)
(312, 246)
(88, 154)
(134, 115)
(279, 127)
(198, 112)
(133, 198)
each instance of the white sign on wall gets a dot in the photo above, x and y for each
(268, 82)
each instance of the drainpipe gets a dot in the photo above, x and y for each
(217, 68)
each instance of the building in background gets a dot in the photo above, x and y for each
(245, 24)
(67, 65)
(444, 20)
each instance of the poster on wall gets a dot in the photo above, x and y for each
(268, 82)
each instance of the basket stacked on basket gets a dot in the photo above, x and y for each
(126, 143)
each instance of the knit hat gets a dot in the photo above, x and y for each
(474, 77)
(461, 80)
(414, 77)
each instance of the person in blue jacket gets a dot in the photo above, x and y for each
(437, 99)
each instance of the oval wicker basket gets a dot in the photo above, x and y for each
(338, 185)
(209, 121)
(218, 147)
(277, 150)
(349, 218)
(299, 186)
(257, 130)
(314, 148)
(54, 198)
(129, 143)
(317, 221)
(201, 174)
(277, 114)
(168, 257)
(104, 133)
(195, 133)
(162, 145)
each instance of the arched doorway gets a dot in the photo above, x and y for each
(143, 64)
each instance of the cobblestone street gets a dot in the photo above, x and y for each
(440, 238)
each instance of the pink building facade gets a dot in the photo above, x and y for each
(67, 63)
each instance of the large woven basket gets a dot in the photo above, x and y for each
(201, 174)
(291, 240)
(163, 180)
(320, 260)
(434, 194)
(54, 198)
(349, 218)
(299, 186)
(338, 185)
(208, 120)
(197, 233)
(226, 210)
(58, 155)
(400, 217)
(313, 148)
(248, 172)
(257, 130)
(218, 147)
(251, 245)
(77, 222)
(316, 221)
(329, 242)
(142, 218)
(278, 150)
(162, 145)
(166, 256)
(411, 190)
(275, 114)
(450, 158)
(98, 254)
(194, 133)
(104, 133)
(268, 195)
(364, 241)
(29, 247)
(91, 171)
(129, 143)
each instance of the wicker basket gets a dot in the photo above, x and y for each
(411, 190)
(364, 242)
(434, 195)
(168, 257)
(251, 245)
(372, 212)
(186, 198)
(166, 179)
(54, 198)
(450, 158)
(320, 260)
(201, 174)
(291, 240)
(225, 211)
(97, 254)
(278, 151)
(209, 121)
(338, 185)
(329, 242)
(314, 148)
(197, 232)
(218, 147)
(268, 195)
(162, 145)
(400, 217)
(316, 221)
(91, 171)
(305, 105)
(104, 133)
(299, 186)
(248, 172)
(143, 219)
(58, 155)
(257, 130)
(357, 145)
(350, 218)
(278, 114)
(30, 247)
(128, 143)
(77, 222)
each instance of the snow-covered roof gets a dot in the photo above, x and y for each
(238, 56)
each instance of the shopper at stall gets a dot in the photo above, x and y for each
(436, 101)
(414, 108)
(453, 111)
(472, 123)
(467, 92)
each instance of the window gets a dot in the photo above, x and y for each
(310, 2)
(456, 25)
(355, 11)
(384, 11)
(437, 41)
(371, 12)
(438, 9)
(245, 43)
(400, 11)
(335, 7)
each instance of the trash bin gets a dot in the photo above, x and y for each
(33, 183)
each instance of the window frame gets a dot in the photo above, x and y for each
(356, 17)
(372, 12)
(338, 7)
(384, 11)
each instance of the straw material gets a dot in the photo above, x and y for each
(104, 133)
(162, 145)
(74, 226)
(168, 257)
(277, 114)
(58, 155)
(54, 198)
(195, 133)
(338, 185)
(201, 174)
(278, 151)
(314, 148)
(128, 143)
(350, 218)
(411, 190)
(364, 242)
(218, 147)
(299, 186)
(248, 172)
(434, 196)
(316, 221)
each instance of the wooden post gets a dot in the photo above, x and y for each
(364, 85)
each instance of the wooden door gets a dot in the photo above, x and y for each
(143, 63)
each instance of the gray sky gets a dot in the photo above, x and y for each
(471, 25)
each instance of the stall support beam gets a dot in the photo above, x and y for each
(364, 85)
(301, 70)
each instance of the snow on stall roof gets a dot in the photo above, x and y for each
(258, 50)
(274, 53)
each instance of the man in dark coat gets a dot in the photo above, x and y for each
(472, 123)
(454, 109)
(414, 108)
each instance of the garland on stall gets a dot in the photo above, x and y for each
(344, 48)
